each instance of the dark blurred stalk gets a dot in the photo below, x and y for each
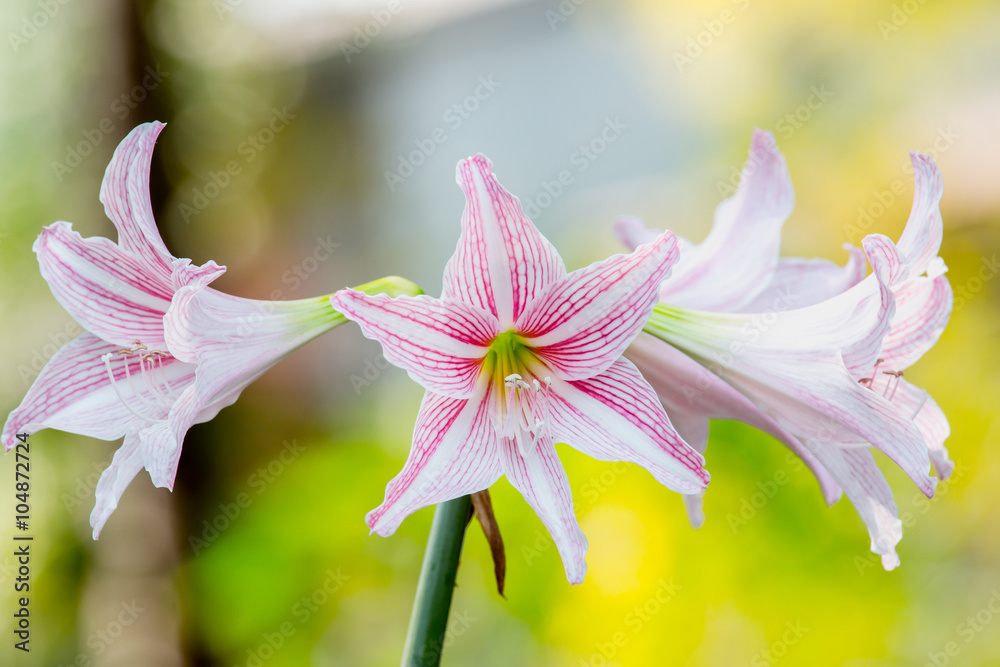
(425, 638)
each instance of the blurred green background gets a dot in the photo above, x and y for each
(294, 578)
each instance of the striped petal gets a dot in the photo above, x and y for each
(917, 405)
(921, 238)
(923, 308)
(455, 452)
(74, 393)
(234, 340)
(738, 258)
(805, 282)
(853, 323)
(109, 291)
(502, 261)
(812, 394)
(125, 465)
(162, 441)
(865, 486)
(687, 388)
(541, 479)
(615, 416)
(125, 195)
(439, 343)
(581, 324)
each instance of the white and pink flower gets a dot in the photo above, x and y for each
(161, 350)
(807, 351)
(518, 355)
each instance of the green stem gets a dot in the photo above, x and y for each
(425, 639)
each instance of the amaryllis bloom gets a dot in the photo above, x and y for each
(518, 355)
(807, 351)
(161, 350)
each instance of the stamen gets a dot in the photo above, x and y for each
(526, 415)
(896, 374)
(153, 377)
(114, 385)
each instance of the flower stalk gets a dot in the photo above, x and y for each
(425, 638)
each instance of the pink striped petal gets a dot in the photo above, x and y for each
(581, 324)
(918, 406)
(693, 429)
(687, 388)
(931, 421)
(923, 308)
(854, 322)
(921, 238)
(454, 453)
(162, 441)
(831, 399)
(125, 465)
(234, 340)
(439, 343)
(125, 195)
(541, 479)
(107, 290)
(502, 261)
(863, 483)
(186, 274)
(615, 416)
(738, 258)
(798, 283)
(74, 393)
(809, 392)
(632, 232)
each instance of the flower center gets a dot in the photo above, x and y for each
(520, 391)
(149, 387)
